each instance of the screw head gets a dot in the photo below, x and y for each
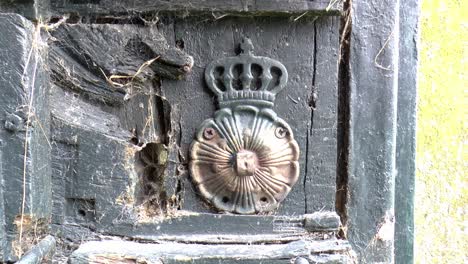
(187, 68)
(209, 133)
(181, 168)
(280, 132)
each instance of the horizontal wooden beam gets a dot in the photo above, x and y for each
(229, 7)
(323, 251)
(229, 228)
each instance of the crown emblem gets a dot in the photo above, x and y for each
(246, 78)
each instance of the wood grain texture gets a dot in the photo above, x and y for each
(209, 39)
(80, 123)
(281, 39)
(372, 137)
(107, 103)
(104, 61)
(321, 165)
(91, 113)
(406, 132)
(92, 252)
(25, 152)
(232, 7)
(224, 229)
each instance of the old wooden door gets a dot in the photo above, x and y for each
(201, 132)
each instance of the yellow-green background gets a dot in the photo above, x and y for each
(441, 204)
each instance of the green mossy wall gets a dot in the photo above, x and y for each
(441, 205)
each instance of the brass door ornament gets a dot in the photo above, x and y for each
(245, 159)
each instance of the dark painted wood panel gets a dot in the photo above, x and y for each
(24, 131)
(233, 7)
(282, 40)
(211, 39)
(115, 251)
(320, 182)
(190, 99)
(406, 133)
(228, 229)
(372, 138)
(170, 111)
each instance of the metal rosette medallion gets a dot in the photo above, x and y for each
(245, 159)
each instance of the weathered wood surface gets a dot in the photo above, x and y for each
(279, 39)
(118, 88)
(99, 125)
(406, 132)
(96, 251)
(229, 228)
(321, 161)
(231, 7)
(372, 138)
(101, 61)
(105, 105)
(24, 131)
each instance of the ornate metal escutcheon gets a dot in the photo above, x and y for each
(245, 159)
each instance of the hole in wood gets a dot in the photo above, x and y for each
(150, 164)
(134, 141)
(82, 211)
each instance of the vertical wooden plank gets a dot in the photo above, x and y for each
(24, 131)
(320, 182)
(372, 137)
(2, 208)
(406, 133)
(63, 159)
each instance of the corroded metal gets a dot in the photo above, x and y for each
(245, 159)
